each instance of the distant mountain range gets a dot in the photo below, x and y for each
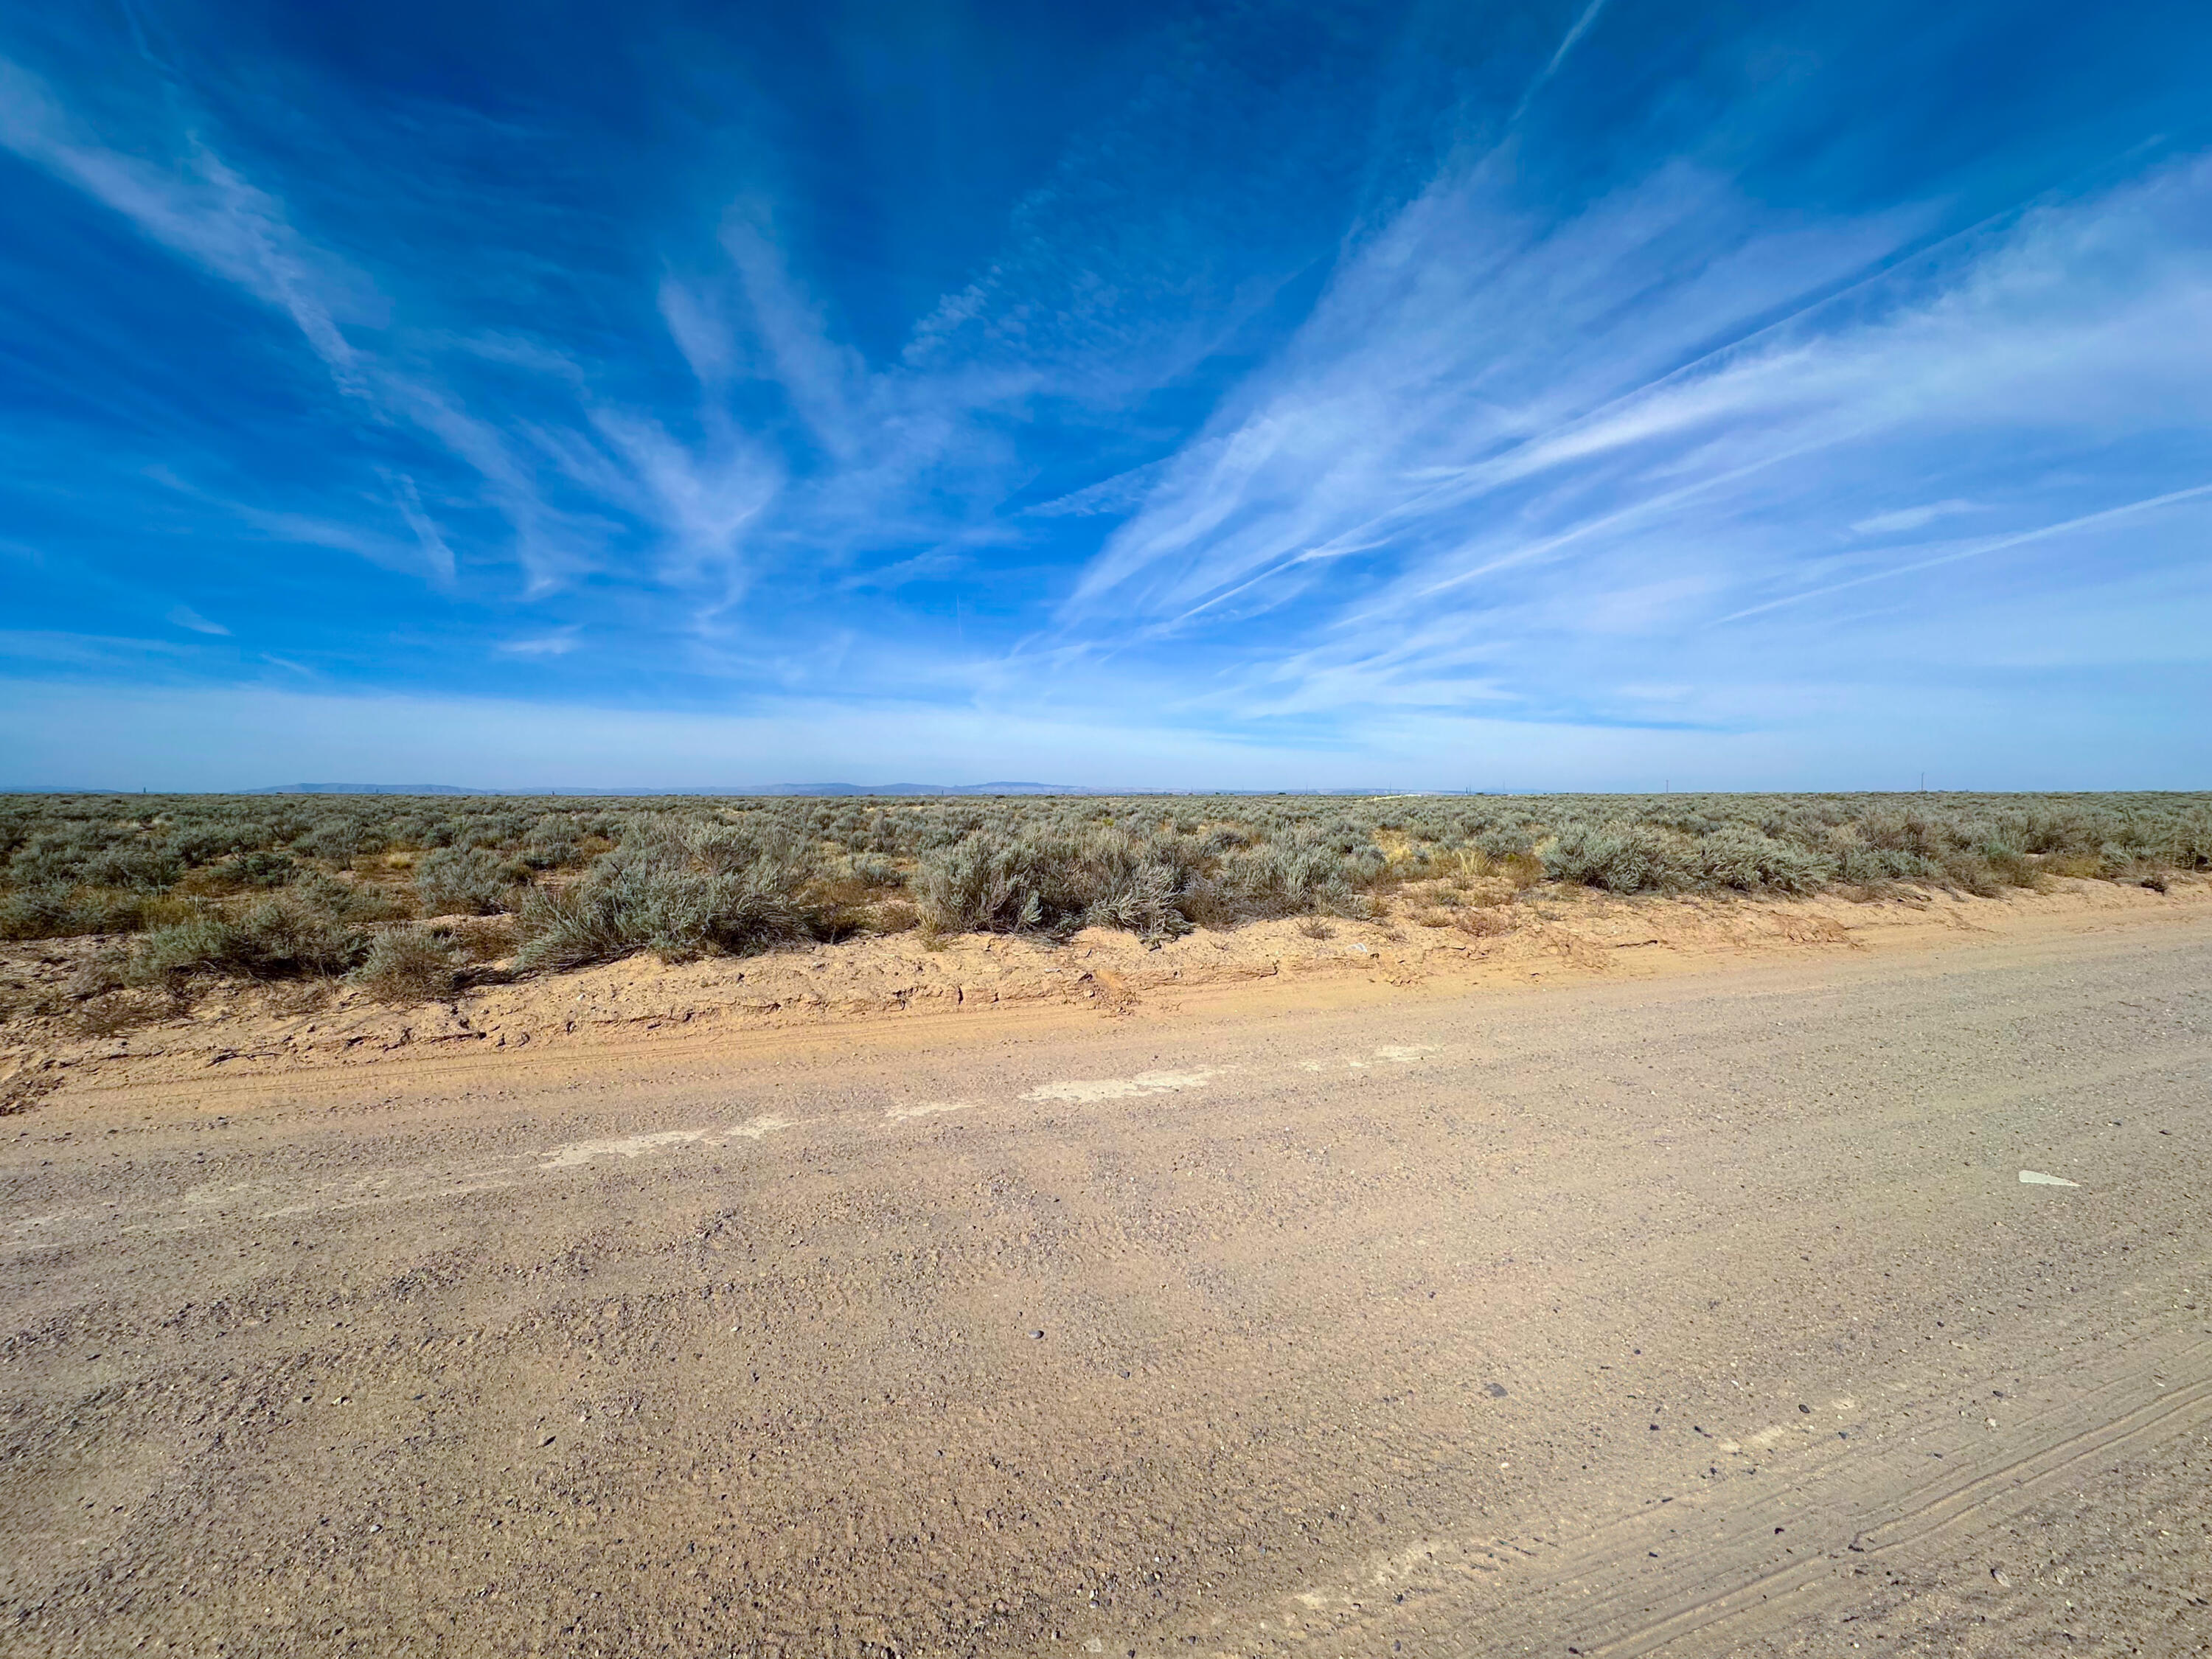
(366, 789)
(760, 789)
(832, 789)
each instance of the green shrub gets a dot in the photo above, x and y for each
(985, 884)
(210, 843)
(1619, 858)
(338, 842)
(1862, 866)
(2010, 866)
(73, 913)
(873, 871)
(1752, 861)
(39, 913)
(1104, 878)
(1297, 874)
(144, 866)
(476, 882)
(263, 869)
(279, 937)
(48, 860)
(657, 902)
(554, 853)
(340, 900)
(688, 875)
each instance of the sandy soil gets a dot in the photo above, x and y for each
(52, 1037)
(1694, 1304)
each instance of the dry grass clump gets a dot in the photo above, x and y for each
(1486, 923)
(107, 968)
(407, 965)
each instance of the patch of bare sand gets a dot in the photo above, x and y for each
(51, 1041)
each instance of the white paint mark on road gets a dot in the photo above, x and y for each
(229, 1194)
(395, 1188)
(1127, 1087)
(929, 1108)
(579, 1152)
(1389, 1054)
(2037, 1178)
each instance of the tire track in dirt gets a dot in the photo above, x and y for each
(1490, 1327)
(1708, 1572)
(2125, 1414)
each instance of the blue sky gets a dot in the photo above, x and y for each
(1612, 395)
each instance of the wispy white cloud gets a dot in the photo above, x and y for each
(1523, 434)
(818, 375)
(184, 616)
(912, 460)
(1582, 26)
(1909, 518)
(87, 650)
(701, 333)
(1520, 460)
(559, 643)
(1119, 494)
(554, 546)
(199, 207)
(704, 501)
(1448, 357)
(409, 501)
(1578, 28)
(202, 208)
(360, 537)
(1981, 548)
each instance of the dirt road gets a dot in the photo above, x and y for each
(1711, 1315)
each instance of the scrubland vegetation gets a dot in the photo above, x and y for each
(414, 895)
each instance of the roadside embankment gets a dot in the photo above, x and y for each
(51, 1041)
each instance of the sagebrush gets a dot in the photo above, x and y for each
(271, 887)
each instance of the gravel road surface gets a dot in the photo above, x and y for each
(1715, 1314)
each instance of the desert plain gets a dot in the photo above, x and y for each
(1669, 1275)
